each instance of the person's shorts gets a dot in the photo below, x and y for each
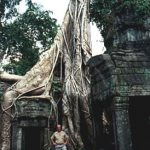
(60, 147)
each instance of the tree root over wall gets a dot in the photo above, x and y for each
(73, 43)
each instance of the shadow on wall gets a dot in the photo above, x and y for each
(139, 112)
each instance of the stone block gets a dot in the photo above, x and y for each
(139, 70)
(135, 64)
(147, 70)
(127, 70)
(33, 108)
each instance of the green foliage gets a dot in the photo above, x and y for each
(103, 11)
(57, 88)
(101, 14)
(8, 8)
(57, 85)
(26, 37)
(8, 5)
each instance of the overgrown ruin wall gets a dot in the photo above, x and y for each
(116, 77)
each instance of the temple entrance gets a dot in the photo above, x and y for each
(139, 112)
(33, 138)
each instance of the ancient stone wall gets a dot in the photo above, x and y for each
(120, 74)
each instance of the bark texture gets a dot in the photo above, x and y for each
(77, 51)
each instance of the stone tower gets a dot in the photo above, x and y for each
(121, 86)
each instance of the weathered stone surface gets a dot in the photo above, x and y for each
(121, 122)
(124, 73)
(33, 108)
(120, 74)
(31, 114)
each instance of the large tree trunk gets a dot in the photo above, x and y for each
(72, 41)
(6, 120)
(76, 83)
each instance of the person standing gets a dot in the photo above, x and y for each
(59, 139)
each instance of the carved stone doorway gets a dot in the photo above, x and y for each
(33, 138)
(139, 112)
(31, 128)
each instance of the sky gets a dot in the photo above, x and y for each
(59, 7)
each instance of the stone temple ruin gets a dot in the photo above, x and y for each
(31, 125)
(121, 87)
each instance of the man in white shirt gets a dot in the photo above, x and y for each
(59, 139)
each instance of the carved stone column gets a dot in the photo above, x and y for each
(121, 123)
(16, 138)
